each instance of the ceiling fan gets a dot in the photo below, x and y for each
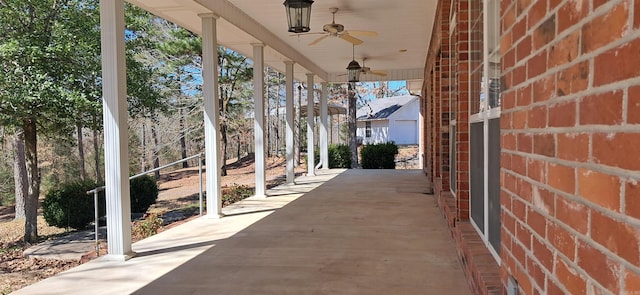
(367, 70)
(337, 30)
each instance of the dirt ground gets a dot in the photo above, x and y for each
(179, 192)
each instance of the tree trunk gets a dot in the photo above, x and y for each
(266, 122)
(143, 145)
(20, 174)
(223, 133)
(31, 204)
(183, 142)
(83, 171)
(239, 147)
(156, 148)
(96, 155)
(353, 143)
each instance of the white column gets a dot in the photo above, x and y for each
(289, 114)
(311, 165)
(258, 120)
(324, 127)
(116, 135)
(298, 127)
(211, 114)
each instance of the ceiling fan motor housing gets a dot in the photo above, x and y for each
(333, 28)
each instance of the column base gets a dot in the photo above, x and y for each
(119, 257)
(214, 216)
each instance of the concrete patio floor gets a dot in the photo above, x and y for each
(340, 232)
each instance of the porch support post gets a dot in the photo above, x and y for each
(289, 119)
(258, 120)
(311, 165)
(211, 114)
(324, 127)
(116, 135)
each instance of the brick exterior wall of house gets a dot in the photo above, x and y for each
(443, 75)
(462, 50)
(571, 146)
(445, 93)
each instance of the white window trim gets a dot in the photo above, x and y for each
(484, 117)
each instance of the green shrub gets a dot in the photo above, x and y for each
(339, 156)
(144, 192)
(379, 156)
(70, 206)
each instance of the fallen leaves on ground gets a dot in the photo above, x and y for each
(17, 271)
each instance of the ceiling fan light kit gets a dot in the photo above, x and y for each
(298, 15)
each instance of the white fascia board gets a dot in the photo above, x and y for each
(392, 75)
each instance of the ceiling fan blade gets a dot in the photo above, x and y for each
(316, 41)
(363, 33)
(305, 34)
(379, 73)
(350, 39)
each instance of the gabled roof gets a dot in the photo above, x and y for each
(382, 108)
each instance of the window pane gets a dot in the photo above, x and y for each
(476, 173)
(495, 81)
(494, 184)
(367, 130)
(493, 39)
(475, 56)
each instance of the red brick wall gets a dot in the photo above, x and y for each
(447, 86)
(462, 108)
(571, 146)
(436, 97)
(442, 101)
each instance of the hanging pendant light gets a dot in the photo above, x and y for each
(298, 15)
(354, 68)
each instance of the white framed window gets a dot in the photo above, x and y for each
(367, 129)
(484, 130)
(453, 89)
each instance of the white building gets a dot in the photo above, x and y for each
(389, 119)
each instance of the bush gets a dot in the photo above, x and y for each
(144, 193)
(235, 193)
(339, 156)
(70, 206)
(379, 156)
(146, 227)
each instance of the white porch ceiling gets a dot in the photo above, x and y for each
(404, 30)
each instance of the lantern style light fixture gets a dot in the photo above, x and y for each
(354, 68)
(354, 71)
(298, 15)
